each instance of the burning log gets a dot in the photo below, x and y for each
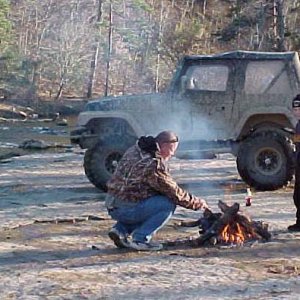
(230, 226)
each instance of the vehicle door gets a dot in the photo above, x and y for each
(208, 96)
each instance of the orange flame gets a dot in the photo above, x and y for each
(234, 233)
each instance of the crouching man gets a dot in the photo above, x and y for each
(142, 195)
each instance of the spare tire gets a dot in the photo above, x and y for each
(265, 160)
(101, 161)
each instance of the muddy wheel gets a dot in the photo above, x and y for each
(101, 161)
(265, 160)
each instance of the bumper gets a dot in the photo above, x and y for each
(83, 137)
(76, 134)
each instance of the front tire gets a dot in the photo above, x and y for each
(101, 161)
(265, 160)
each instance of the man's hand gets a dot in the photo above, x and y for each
(199, 204)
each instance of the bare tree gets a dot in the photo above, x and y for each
(61, 42)
(109, 48)
(280, 25)
(95, 50)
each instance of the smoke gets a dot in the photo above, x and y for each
(190, 120)
(212, 180)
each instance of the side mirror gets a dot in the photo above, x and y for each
(186, 83)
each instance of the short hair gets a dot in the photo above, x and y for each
(166, 136)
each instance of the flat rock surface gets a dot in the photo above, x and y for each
(51, 216)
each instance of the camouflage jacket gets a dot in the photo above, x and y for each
(140, 176)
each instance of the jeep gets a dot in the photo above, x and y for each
(235, 102)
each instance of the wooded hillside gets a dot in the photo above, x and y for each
(58, 49)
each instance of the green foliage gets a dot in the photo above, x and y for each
(143, 5)
(5, 25)
(14, 74)
(9, 71)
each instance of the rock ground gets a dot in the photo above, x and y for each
(50, 216)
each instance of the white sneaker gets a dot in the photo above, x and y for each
(145, 246)
(119, 240)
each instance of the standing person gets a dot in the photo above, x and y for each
(296, 196)
(142, 195)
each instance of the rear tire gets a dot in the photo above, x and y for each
(265, 160)
(101, 161)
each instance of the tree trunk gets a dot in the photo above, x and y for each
(94, 59)
(60, 89)
(109, 50)
(160, 29)
(280, 26)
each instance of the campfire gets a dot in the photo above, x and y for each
(231, 226)
(234, 233)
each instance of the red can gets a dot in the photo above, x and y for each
(248, 197)
(248, 201)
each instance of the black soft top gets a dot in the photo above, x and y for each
(239, 54)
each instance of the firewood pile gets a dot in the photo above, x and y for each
(230, 227)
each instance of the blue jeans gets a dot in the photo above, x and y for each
(143, 219)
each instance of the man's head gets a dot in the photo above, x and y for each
(296, 106)
(168, 143)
